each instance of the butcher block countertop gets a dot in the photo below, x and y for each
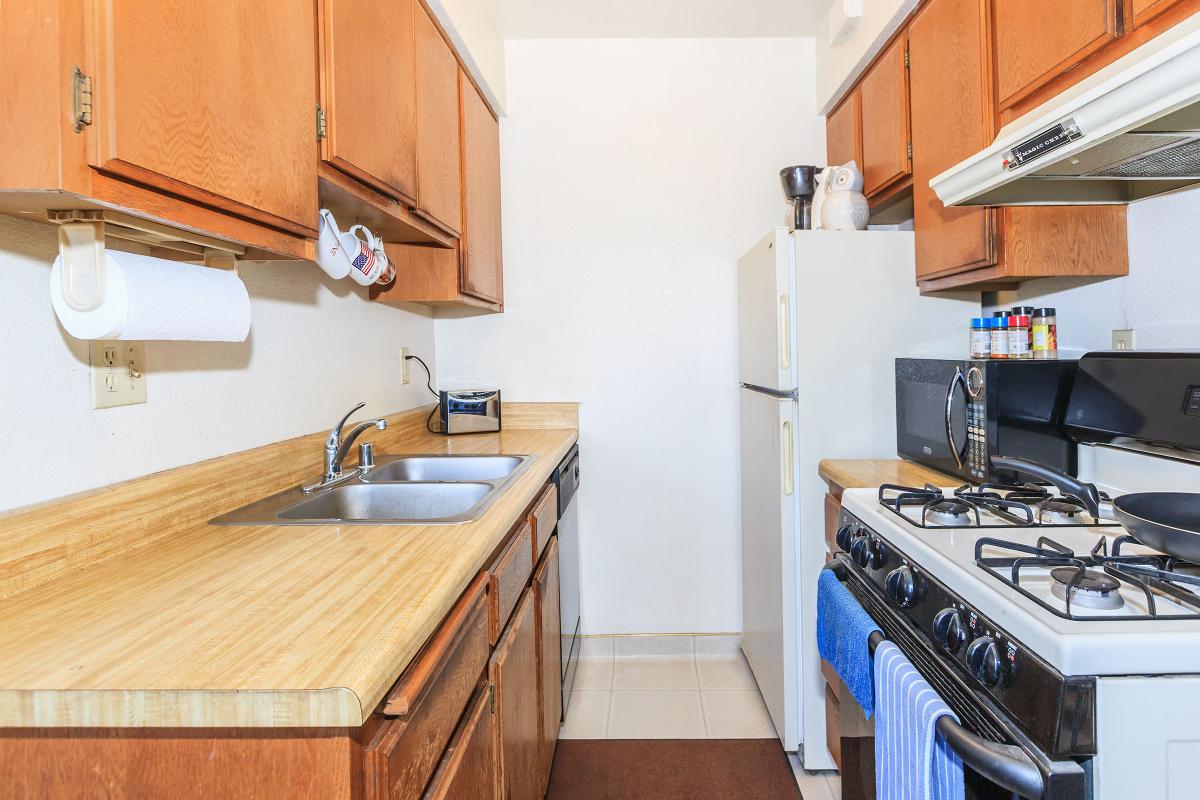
(872, 472)
(168, 621)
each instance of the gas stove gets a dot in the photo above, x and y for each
(986, 505)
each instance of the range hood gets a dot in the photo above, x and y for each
(1128, 132)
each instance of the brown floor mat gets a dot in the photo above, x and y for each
(671, 769)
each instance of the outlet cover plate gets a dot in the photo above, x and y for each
(404, 376)
(1123, 340)
(118, 373)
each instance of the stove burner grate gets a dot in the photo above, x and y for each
(1026, 505)
(1092, 580)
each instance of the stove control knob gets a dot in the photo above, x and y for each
(948, 629)
(843, 536)
(901, 586)
(865, 552)
(983, 656)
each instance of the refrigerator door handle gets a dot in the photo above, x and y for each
(781, 394)
(786, 455)
(785, 332)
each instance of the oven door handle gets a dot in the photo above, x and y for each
(957, 380)
(1003, 764)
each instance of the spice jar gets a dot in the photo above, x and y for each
(998, 327)
(981, 338)
(1045, 333)
(1025, 311)
(1018, 337)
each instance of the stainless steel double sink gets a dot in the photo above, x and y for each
(398, 490)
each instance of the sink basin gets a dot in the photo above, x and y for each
(444, 468)
(399, 490)
(390, 502)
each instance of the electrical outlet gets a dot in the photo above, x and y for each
(118, 373)
(404, 376)
(1123, 340)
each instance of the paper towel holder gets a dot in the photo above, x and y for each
(81, 240)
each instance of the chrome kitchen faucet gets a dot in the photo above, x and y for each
(336, 449)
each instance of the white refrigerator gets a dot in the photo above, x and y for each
(822, 316)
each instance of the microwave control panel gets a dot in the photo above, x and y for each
(977, 449)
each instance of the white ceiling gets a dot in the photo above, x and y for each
(582, 19)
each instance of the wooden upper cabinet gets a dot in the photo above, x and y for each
(482, 269)
(214, 102)
(843, 132)
(368, 88)
(885, 119)
(951, 119)
(439, 164)
(1036, 41)
(1145, 10)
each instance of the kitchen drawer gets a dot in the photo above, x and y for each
(544, 518)
(423, 709)
(509, 575)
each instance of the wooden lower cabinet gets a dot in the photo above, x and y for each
(468, 771)
(545, 588)
(515, 679)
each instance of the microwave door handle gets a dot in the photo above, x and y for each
(957, 380)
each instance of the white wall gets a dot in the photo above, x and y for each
(315, 348)
(840, 63)
(472, 27)
(635, 174)
(1159, 297)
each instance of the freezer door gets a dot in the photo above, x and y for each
(766, 314)
(769, 626)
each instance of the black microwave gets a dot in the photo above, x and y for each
(955, 415)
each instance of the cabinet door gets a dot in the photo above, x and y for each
(369, 92)
(951, 119)
(212, 101)
(468, 769)
(514, 674)
(1037, 41)
(1146, 10)
(439, 164)
(884, 98)
(545, 585)
(843, 132)
(481, 264)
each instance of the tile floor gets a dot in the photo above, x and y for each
(665, 687)
(816, 785)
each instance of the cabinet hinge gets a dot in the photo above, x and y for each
(492, 698)
(906, 60)
(321, 127)
(81, 99)
(910, 151)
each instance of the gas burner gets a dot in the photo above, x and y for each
(1060, 511)
(1087, 588)
(949, 512)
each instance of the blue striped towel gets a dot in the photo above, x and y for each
(912, 761)
(842, 631)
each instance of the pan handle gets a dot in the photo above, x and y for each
(1086, 492)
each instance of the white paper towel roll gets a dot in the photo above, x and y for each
(152, 298)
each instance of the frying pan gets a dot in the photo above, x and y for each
(1166, 521)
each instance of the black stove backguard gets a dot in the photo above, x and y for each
(954, 415)
(1142, 401)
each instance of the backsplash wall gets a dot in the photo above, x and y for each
(1157, 299)
(316, 347)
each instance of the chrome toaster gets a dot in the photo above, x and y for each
(469, 411)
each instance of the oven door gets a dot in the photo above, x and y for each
(931, 413)
(999, 760)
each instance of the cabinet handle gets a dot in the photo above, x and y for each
(785, 456)
(785, 333)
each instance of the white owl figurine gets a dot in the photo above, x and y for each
(843, 206)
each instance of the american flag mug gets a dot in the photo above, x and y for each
(357, 253)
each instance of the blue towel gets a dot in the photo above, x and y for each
(912, 761)
(842, 631)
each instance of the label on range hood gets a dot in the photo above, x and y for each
(1043, 143)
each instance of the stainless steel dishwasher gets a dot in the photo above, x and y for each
(566, 478)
